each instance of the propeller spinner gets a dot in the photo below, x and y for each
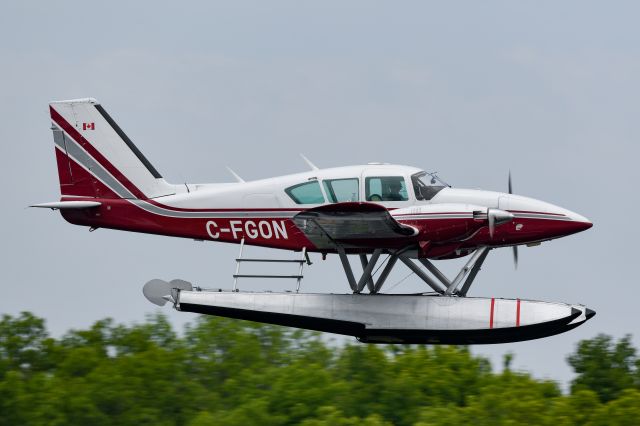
(497, 217)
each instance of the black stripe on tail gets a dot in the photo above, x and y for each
(129, 142)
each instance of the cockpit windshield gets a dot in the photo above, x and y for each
(427, 185)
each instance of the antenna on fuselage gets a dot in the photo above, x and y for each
(235, 175)
(309, 163)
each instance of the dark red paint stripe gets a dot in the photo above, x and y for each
(518, 313)
(432, 213)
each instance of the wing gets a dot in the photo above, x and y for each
(352, 224)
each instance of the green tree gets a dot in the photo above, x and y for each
(575, 409)
(623, 411)
(506, 399)
(422, 376)
(24, 344)
(605, 367)
(331, 416)
(228, 372)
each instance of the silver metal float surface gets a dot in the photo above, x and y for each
(391, 318)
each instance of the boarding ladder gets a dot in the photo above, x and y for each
(304, 258)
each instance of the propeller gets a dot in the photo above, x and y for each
(181, 285)
(159, 291)
(514, 248)
(497, 217)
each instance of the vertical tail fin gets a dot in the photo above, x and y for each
(96, 158)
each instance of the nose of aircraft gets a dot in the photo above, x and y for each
(550, 221)
(578, 222)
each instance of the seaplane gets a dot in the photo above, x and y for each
(381, 214)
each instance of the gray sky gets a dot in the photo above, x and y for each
(471, 89)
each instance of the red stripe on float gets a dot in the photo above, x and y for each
(493, 303)
(518, 313)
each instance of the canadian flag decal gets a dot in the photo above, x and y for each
(88, 126)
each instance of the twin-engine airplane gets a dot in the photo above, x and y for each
(373, 210)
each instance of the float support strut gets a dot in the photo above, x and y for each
(421, 274)
(347, 269)
(385, 272)
(368, 268)
(475, 262)
(474, 271)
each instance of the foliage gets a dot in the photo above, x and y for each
(604, 366)
(227, 372)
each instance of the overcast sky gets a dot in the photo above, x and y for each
(471, 89)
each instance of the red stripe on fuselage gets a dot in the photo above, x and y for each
(518, 313)
(432, 213)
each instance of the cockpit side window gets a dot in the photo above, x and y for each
(386, 188)
(306, 193)
(425, 188)
(341, 190)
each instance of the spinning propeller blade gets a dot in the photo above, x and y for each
(515, 248)
(497, 216)
(510, 187)
(492, 223)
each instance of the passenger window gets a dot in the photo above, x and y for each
(306, 193)
(386, 188)
(341, 190)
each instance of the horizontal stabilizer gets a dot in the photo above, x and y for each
(68, 205)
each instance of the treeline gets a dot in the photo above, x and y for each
(226, 372)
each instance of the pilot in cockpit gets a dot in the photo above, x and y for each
(393, 191)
